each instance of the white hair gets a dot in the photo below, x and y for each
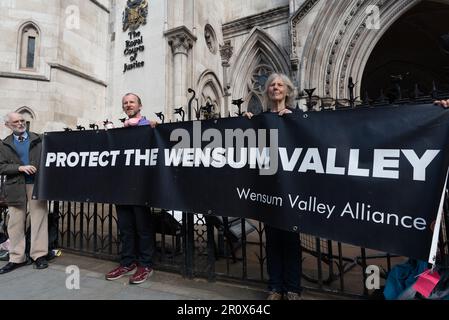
(7, 117)
(289, 94)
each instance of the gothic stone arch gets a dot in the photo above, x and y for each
(28, 114)
(259, 53)
(34, 30)
(210, 90)
(340, 44)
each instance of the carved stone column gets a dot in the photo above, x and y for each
(226, 52)
(178, 12)
(181, 41)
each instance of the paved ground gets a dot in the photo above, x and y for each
(27, 283)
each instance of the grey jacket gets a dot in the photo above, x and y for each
(9, 165)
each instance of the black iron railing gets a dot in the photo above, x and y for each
(230, 249)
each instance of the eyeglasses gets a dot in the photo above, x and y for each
(18, 121)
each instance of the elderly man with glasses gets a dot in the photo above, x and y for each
(19, 159)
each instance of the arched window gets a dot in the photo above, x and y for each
(29, 45)
(211, 92)
(256, 86)
(259, 78)
(259, 57)
(28, 115)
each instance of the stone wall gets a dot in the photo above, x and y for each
(149, 81)
(71, 62)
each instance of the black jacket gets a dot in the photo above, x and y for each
(9, 166)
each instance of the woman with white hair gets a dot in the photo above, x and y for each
(283, 248)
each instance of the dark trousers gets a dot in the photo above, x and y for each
(136, 234)
(284, 257)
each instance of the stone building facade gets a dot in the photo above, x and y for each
(65, 63)
(54, 64)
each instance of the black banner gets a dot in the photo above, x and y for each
(370, 177)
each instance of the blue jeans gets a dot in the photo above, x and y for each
(136, 234)
(283, 260)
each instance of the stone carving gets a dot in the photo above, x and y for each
(226, 52)
(301, 13)
(135, 14)
(211, 40)
(180, 39)
(180, 43)
(337, 43)
(259, 78)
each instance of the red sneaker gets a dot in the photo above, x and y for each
(120, 271)
(141, 275)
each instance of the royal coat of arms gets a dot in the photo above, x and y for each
(135, 14)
